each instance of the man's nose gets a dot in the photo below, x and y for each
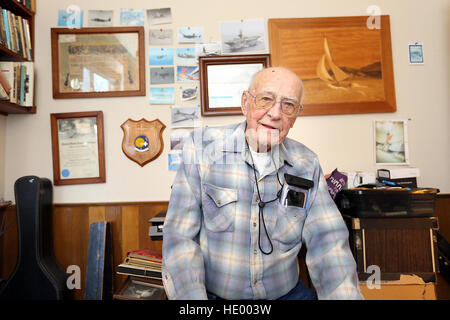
(275, 111)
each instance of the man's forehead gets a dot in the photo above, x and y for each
(271, 80)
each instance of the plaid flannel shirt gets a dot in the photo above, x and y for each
(212, 226)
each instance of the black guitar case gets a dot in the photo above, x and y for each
(37, 275)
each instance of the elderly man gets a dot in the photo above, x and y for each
(244, 201)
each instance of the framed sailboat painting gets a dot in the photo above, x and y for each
(345, 62)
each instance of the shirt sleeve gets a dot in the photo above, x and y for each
(182, 266)
(329, 259)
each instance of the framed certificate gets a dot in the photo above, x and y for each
(98, 62)
(78, 148)
(223, 79)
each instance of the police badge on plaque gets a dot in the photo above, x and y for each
(142, 140)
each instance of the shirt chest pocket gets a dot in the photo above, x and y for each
(288, 229)
(219, 207)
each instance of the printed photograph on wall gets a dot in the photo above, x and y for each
(185, 117)
(243, 36)
(162, 75)
(159, 16)
(132, 17)
(391, 142)
(100, 18)
(190, 35)
(159, 37)
(161, 56)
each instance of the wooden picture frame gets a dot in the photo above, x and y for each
(345, 62)
(233, 74)
(85, 62)
(78, 148)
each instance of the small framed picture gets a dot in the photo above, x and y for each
(416, 53)
(391, 142)
(78, 148)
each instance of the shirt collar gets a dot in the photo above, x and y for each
(236, 143)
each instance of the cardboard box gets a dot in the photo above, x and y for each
(409, 287)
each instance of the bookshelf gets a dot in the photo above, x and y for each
(18, 8)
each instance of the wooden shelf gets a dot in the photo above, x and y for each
(6, 54)
(17, 8)
(7, 107)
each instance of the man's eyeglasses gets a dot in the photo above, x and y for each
(267, 100)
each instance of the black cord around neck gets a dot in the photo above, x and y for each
(261, 205)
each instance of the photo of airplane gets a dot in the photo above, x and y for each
(183, 117)
(161, 75)
(189, 35)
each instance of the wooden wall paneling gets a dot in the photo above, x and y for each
(71, 240)
(9, 244)
(442, 211)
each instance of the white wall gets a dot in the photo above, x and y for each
(344, 141)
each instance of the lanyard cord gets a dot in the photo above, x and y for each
(261, 205)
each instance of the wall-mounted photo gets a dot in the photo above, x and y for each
(160, 37)
(72, 17)
(161, 56)
(189, 94)
(243, 36)
(98, 62)
(190, 35)
(159, 16)
(187, 73)
(177, 138)
(100, 18)
(208, 49)
(345, 66)
(174, 159)
(132, 17)
(391, 142)
(186, 56)
(162, 95)
(185, 117)
(162, 75)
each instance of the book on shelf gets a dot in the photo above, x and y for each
(143, 263)
(15, 33)
(131, 270)
(145, 254)
(19, 81)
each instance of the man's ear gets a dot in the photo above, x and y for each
(244, 101)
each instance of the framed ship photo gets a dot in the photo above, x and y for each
(98, 62)
(345, 64)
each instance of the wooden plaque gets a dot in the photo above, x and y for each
(142, 141)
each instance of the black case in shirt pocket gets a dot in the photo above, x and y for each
(219, 207)
(288, 229)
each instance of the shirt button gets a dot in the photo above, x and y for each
(254, 224)
(219, 202)
(255, 251)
